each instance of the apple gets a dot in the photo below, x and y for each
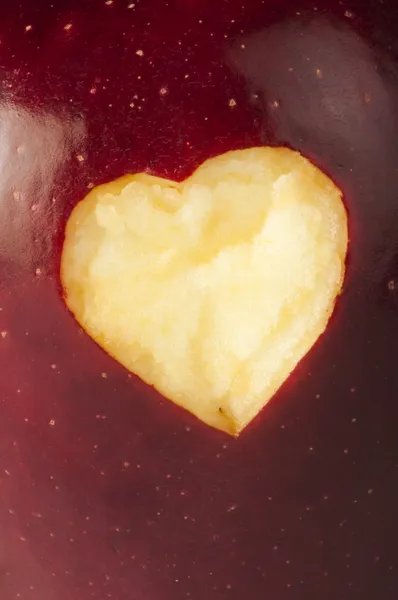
(107, 490)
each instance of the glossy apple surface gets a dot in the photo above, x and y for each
(106, 489)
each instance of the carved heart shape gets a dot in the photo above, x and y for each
(213, 289)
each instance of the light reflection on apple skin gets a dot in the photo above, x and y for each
(37, 148)
(135, 496)
(323, 89)
(319, 84)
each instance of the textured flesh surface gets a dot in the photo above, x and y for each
(213, 289)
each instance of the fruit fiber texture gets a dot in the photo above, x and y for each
(212, 289)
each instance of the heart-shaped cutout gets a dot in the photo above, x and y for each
(213, 289)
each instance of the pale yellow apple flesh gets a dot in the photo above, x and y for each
(213, 289)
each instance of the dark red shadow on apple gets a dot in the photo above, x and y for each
(106, 489)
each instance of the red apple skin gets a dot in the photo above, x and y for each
(106, 489)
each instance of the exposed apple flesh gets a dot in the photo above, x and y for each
(212, 289)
